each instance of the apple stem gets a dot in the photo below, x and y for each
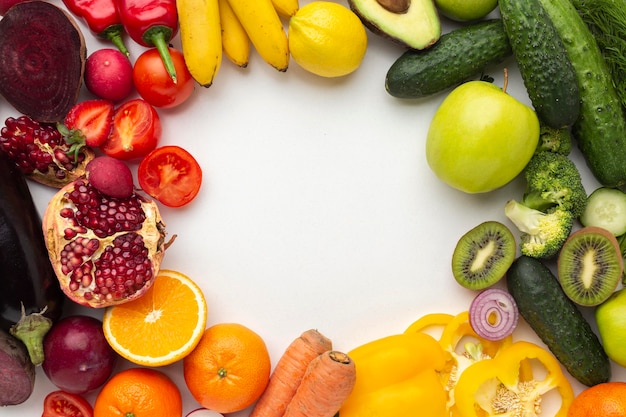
(506, 80)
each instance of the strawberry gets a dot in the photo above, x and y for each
(88, 123)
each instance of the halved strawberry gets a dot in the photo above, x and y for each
(89, 122)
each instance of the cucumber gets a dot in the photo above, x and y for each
(543, 62)
(600, 130)
(457, 56)
(557, 321)
(606, 208)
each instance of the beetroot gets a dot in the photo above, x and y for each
(78, 358)
(109, 74)
(42, 60)
(110, 176)
(17, 372)
(6, 5)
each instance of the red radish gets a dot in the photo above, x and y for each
(110, 176)
(109, 74)
(89, 123)
(78, 358)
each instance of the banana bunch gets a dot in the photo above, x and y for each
(210, 29)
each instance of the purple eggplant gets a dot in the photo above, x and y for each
(30, 296)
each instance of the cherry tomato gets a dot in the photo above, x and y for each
(155, 85)
(64, 404)
(136, 130)
(171, 175)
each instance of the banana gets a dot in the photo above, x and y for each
(201, 38)
(286, 8)
(235, 40)
(265, 30)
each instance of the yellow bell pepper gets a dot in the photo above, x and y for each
(398, 375)
(506, 385)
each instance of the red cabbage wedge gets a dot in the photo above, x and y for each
(42, 60)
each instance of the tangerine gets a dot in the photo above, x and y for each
(229, 368)
(160, 327)
(139, 392)
(607, 400)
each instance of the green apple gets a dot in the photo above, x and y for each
(480, 137)
(465, 10)
(611, 321)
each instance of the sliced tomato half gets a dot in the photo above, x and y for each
(64, 404)
(136, 130)
(171, 175)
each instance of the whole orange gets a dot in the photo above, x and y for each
(139, 392)
(606, 400)
(229, 368)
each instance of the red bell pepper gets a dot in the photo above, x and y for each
(102, 18)
(151, 23)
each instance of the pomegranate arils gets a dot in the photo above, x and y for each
(123, 268)
(105, 215)
(22, 138)
(41, 152)
(104, 250)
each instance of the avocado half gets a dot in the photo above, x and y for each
(411, 23)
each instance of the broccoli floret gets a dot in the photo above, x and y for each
(554, 140)
(543, 234)
(553, 180)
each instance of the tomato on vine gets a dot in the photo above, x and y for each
(155, 85)
(171, 175)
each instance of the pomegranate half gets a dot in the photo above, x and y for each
(104, 250)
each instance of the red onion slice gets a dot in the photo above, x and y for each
(493, 314)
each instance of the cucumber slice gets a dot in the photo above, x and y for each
(606, 208)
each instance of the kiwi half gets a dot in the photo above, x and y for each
(483, 255)
(590, 265)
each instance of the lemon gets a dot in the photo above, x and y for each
(466, 10)
(327, 39)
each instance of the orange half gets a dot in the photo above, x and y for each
(162, 326)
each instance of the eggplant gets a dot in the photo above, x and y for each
(31, 298)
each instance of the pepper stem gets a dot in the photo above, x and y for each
(31, 330)
(114, 34)
(159, 36)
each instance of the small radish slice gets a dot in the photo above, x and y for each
(493, 314)
(204, 412)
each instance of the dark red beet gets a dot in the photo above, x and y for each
(17, 372)
(6, 5)
(42, 60)
(78, 358)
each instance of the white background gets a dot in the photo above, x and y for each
(317, 208)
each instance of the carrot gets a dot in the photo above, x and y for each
(288, 373)
(328, 381)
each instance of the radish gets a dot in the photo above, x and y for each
(109, 74)
(110, 176)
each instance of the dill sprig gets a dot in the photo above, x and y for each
(607, 21)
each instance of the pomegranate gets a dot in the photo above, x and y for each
(41, 151)
(104, 250)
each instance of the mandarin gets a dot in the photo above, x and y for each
(229, 368)
(606, 400)
(160, 327)
(139, 392)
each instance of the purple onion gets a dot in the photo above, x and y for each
(493, 314)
